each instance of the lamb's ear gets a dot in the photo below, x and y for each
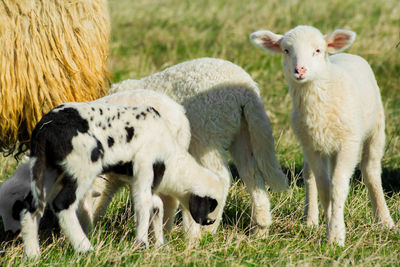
(267, 40)
(339, 40)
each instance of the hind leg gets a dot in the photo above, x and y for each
(371, 171)
(157, 220)
(29, 232)
(170, 205)
(311, 204)
(96, 201)
(65, 206)
(242, 155)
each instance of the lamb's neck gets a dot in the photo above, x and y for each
(310, 95)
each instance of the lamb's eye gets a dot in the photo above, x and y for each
(286, 51)
(317, 51)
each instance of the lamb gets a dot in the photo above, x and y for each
(226, 114)
(16, 188)
(174, 115)
(83, 140)
(12, 193)
(337, 115)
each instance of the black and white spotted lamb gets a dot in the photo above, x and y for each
(83, 140)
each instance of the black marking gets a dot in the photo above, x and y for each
(104, 127)
(200, 207)
(26, 204)
(97, 152)
(118, 114)
(91, 118)
(113, 117)
(158, 173)
(143, 114)
(46, 141)
(130, 131)
(101, 111)
(137, 116)
(109, 125)
(67, 195)
(93, 109)
(155, 111)
(123, 168)
(16, 209)
(110, 141)
(127, 123)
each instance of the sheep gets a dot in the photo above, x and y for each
(12, 193)
(82, 140)
(226, 114)
(103, 190)
(337, 115)
(15, 189)
(58, 54)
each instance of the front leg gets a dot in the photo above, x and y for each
(311, 204)
(143, 202)
(346, 160)
(29, 231)
(157, 220)
(319, 166)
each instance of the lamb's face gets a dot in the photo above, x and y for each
(11, 198)
(305, 50)
(304, 54)
(203, 209)
(203, 200)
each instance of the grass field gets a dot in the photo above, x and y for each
(149, 35)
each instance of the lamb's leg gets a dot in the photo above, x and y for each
(371, 171)
(95, 204)
(170, 205)
(242, 155)
(29, 232)
(320, 167)
(157, 220)
(72, 229)
(142, 198)
(65, 206)
(311, 204)
(346, 160)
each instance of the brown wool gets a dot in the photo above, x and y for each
(51, 52)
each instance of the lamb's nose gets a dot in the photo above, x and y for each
(300, 70)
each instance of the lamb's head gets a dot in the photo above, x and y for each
(305, 50)
(12, 194)
(204, 199)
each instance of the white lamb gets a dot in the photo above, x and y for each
(337, 115)
(12, 193)
(83, 140)
(226, 113)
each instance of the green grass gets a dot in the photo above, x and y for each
(148, 36)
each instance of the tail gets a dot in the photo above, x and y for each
(262, 144)
(38, 166)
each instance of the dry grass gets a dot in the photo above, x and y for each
(149, 35)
